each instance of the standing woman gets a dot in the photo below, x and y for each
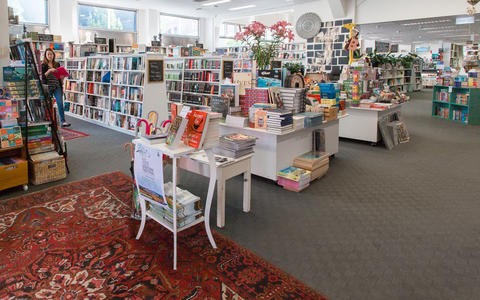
(49, 66)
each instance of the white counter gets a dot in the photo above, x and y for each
(276, 151)
(363, 123)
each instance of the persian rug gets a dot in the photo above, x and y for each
(69, 134)
(77, 241)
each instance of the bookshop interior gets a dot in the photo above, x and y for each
(218, 149)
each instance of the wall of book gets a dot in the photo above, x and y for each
(108, 90)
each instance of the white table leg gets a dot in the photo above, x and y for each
(220, 200)
(174, 196)
(247, 178)
(211, 189)
(143, 208)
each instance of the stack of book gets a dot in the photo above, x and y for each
(279, 120)
(189, 207)
(237, 121)
(212, 134)
(293, 99)
(39, 138)
(294, 179)
(315, 162)
(235, 145)
(312, 119)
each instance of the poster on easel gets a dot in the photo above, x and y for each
(148, 170)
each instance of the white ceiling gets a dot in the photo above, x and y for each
(422, 30)
(196, 9)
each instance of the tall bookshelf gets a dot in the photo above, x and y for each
(116, 91)
(394, 78)
(74, 86)
(193, 81)
(456, 104)
(58, 48)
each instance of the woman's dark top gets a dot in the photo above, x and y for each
(50, 80)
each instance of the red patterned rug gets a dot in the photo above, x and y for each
(69, 134)
(76, 241)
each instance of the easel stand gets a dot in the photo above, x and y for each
(175, 154)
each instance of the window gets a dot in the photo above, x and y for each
(107, 18)
(30, 11)
(228, 30)
(173, 25)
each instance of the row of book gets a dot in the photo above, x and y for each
(73, 86)
(98, 89)
(98, 76)
(76, 75)
(135, 79)
(197, 99)
(76, 98)
(119, 92)
(203, 76)
(128, 63)
(74, 108)
(129, 108)
(98, 63)
(100, 102)
(94, 114)
(203, 64)
(119, 78)
(75, 64)
(174, 66)
(204, 88)
(173, 76)
(122, 121)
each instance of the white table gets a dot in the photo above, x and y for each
(198, 163)
(175, 154)
(274, 152)
(363, 123)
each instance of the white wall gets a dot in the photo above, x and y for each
(63, 19)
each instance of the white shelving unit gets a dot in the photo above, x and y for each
(193, 80)
(58, 48)
(116, 93)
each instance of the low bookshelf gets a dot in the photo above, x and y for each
(457, 104)
(115, 91)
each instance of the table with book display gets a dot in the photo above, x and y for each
(275, 150)
(174, 208)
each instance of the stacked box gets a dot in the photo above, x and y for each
(10, 137)
(252, 96)
(293, 99)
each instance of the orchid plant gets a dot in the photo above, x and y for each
(255, 37)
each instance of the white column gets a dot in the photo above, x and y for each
(4, 49)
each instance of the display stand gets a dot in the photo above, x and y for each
(175, 154)
(363, 123)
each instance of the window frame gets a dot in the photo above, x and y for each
(108, 7)
(230, 37)
(47, 17)
(180, 35)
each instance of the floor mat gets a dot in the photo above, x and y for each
(78, 241)
(70, 134)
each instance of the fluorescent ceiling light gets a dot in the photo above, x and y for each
(426, 22)
(242, 7)
(465, 20)
(216, 2)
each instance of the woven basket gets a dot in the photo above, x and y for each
(47, 171)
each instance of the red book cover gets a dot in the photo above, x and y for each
(196, 127)
(61, 72)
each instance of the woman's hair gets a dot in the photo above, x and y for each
(45, 60)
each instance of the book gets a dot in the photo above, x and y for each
(197, 123)
(176, 131)
(261, 119)
(295, 174)
(61, 72)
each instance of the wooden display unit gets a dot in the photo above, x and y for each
(456, 104)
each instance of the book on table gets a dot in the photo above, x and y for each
(197, 123)
(176, 131)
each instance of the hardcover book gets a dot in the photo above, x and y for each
(175, 132)
(196, 128)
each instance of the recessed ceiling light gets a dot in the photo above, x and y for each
(215, 2)
(242, 7)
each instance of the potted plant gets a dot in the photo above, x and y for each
(254, 36)
(295, 68)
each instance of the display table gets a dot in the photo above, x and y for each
(175, 154)
(275, 151)
(363, 123)
(198, 163)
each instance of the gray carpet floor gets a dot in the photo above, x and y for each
(400, 224)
